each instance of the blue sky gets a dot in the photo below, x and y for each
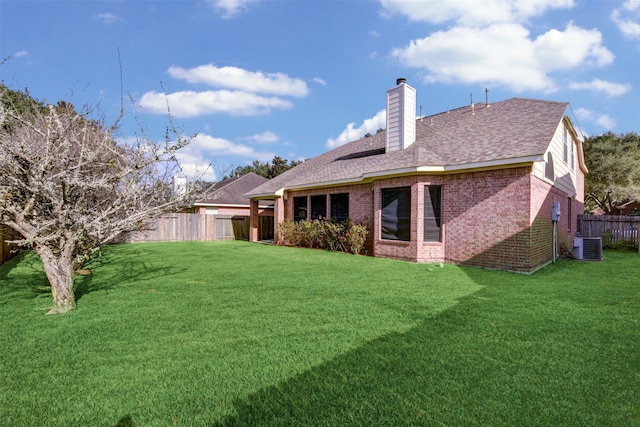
(294, 78)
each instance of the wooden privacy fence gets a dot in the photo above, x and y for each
(613, 227)
(7, 250)
(199, 227)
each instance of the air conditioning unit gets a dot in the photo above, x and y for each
(587, 248)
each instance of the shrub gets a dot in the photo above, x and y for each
(343, 236)
(608, 242)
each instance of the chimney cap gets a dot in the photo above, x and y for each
(400, 80)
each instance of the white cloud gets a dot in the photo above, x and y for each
(606, 122)
(192, 104)
(267, 137)
(472, 12)
(212, 147)
(503, 54)
(628, 18)
(320, 81)
(230, 8)
(609, 88)
(238, 78)
(602, 120)
(22, 54)
(203, 150)
(351, 133)
(107, 18)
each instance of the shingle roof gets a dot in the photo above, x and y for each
(503, 133)
(232, 191)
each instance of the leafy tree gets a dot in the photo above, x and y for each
(614, 170)
(68, 187)
(278, 166)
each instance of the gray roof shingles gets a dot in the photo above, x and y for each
(232, 191)
(510, 129)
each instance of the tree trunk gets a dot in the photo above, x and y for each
(59, 270)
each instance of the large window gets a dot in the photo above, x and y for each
(565, 151)
(396, 213)
(319, 206)
(432, 213)
(340, 206)
(299, 208)
(573, 156)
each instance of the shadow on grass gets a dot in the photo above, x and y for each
(121, 267)
(399, 379)
(482, 362)
(23, 276)
(126, 421)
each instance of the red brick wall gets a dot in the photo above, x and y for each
(487, 218)
(360, 205)
(496, 219)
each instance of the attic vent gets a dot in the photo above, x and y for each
(587, 248)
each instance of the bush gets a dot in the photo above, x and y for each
(343, 236)
(608, 242)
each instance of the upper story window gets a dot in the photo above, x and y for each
(565, 151)
(549, 171)
(299, 208)
(396, 213)
(573, 156)
(340, 206)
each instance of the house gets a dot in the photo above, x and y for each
(227, 203)
(473, 186)
(632, 207)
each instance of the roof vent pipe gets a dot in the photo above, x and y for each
(400, 80)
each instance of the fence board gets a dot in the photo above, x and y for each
(198, 227)
(615, 227)
(7, 250)
(176, 227)
(231, 227)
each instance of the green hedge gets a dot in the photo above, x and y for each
(343, 236)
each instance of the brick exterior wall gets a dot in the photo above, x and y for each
(498, 219)
(360, 206)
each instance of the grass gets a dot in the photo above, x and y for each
(232, 333)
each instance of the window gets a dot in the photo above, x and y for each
(432, 213)
(549, 173)
(573, 156)
(569, 213)
(340, 206)
(396, 213)
(319, 206)
(565, 152)
(299, 208)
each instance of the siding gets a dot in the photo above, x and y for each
(567, 179)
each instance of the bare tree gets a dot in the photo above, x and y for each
(68, 186)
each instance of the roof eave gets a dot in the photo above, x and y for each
(422, 170)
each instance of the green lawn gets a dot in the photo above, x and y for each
(233, 333)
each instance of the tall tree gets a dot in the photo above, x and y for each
(68, 187)
(614, 170)
(278, 166)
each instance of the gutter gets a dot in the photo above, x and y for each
(416, 170)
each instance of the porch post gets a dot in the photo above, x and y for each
(254, 221)
(279, 215)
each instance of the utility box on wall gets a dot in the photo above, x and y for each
(555, 211)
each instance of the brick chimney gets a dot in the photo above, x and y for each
(401, 116)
